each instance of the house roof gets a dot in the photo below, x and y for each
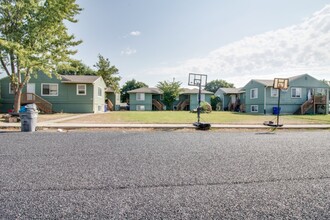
(108, 89)
(146, 90)
(194, 91)
(270, 82)
(266, 82)
(79, 79)
(232, 90)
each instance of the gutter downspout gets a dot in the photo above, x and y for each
(265, 97)
(223, 101)
(327, 102)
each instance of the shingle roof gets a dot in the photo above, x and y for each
(108, 89)
(146, 90)
(79, 78)
(266, 82)
(232, 90)
(194, 91)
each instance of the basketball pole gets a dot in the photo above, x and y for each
(199, 103)
(199, 80)
(278, 107)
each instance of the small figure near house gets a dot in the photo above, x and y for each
(109, 104)
(237, 104)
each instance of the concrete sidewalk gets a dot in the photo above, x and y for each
(60, 124)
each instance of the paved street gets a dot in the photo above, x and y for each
(165, 175)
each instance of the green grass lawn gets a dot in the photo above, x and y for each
(170, 117)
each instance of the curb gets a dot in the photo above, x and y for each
(159, 126)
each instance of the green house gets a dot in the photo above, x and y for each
(232, 99)
(146, 99)
(305, 95)
(69, 93)
(112, 99)
(188, 99)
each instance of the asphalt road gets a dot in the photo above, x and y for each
(165, 175)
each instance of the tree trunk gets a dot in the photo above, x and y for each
(17, 101)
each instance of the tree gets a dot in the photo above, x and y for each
(75, 67)
(108, 73)
(34, 38)
(214, 85)
(130, 85)
(171, 92)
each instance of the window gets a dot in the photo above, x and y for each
(140, 108)
(81, 89)
(49, 89)
(295, 92)
(99, 91)
(11, 89)
(140, 96)
(254, 108)
(254, 93)
(273, 92)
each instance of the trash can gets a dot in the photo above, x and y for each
(28, 115)
(276, 110)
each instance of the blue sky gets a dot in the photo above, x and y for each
(234, 40)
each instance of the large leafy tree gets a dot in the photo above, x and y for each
(109, 73)
(33, 37)
(128, 86)
(214, 85)
(75, 67)
(171, 92)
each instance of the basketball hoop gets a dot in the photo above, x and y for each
(199, 80)
(281, 83)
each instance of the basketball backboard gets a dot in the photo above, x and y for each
(281, 83)
(196, 79)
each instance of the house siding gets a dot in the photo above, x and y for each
(194, 100)
(98, 101)
(147, 102)
(288, 104)
(67, 99)
(259, 101)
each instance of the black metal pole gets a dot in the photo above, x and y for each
(199, 103)
(278, 107)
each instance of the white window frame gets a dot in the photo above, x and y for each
(11, 89)
(99, 92)
(256, 93)
(49, 84)
(140, 108)
(273, 92)
(296, 89)
(84, 89)
(254, 108)
(140, 96)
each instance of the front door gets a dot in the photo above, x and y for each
(31, 90)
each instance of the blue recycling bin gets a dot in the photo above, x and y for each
(276, 110)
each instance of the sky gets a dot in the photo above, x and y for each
(234, 40)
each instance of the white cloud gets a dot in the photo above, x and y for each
(128, 51)
(135, 33)
(301, 48)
